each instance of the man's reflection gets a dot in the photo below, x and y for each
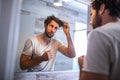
(40, 51)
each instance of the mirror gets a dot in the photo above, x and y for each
(33, 13)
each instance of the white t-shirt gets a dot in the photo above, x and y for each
(103, 51)
(34, 48)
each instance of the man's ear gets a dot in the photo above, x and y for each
(102, 9)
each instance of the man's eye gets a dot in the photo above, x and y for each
(91, 14)
(51, 25)
(56, 28)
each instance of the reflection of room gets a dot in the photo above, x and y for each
(31, 23)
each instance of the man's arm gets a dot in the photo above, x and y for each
(84, 75)
(26, 62)
(92, 76)
(69, 51)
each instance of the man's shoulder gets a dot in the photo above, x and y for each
(32, 39)
(55, 40)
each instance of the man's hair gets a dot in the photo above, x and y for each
(112, 5)
(52, 17)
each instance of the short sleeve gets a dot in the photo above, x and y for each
(97, 58)
(28, 48)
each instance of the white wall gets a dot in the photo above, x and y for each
(9, 30)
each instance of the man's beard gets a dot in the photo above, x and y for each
(97, 21)
(47, 34)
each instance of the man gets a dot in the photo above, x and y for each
(40, 51)
(102, 61)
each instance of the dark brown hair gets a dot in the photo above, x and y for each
(112, 5)
(52, 17)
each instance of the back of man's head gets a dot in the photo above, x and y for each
(112, 5)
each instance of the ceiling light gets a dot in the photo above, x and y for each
(66, 0)
(57, 3)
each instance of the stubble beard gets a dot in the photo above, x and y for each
(47, 34)
(97, 21)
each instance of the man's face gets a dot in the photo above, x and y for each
(95, 20)
(51, 29)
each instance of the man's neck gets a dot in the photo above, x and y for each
(107, 18)
(46, 39)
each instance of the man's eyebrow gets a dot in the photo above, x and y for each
(51, 25)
